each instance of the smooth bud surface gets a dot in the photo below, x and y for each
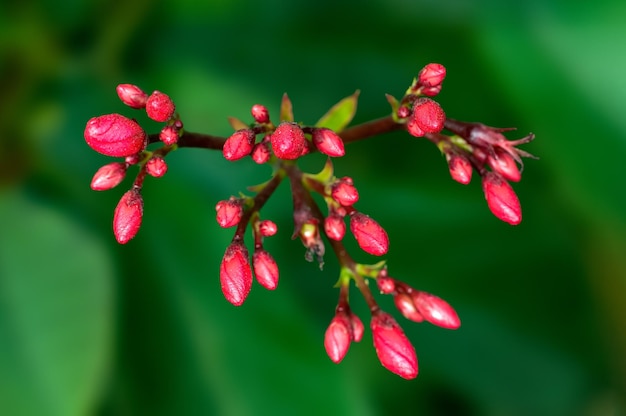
(394, 350)
(265, 269)
(436, 310)
(460, 169)
(386, 284)
(338, 337)
(357, 328)
(160, 107)
(370, 236)
(328, 142)
(288, 141)
(432, 75)
(503, 163)
(501, 198)
(115, 135)
(236, 274)
(132, 95)
(108, 176)
(127, 216)
(268, 228)
(239, 144)
(405, 305)
(335, 227)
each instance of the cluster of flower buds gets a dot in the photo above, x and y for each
(118, 136)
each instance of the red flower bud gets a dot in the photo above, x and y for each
(288, 141)
(328, 142)
(504, 164)
(432, 75)
(236, 274)
(435, 310)
(133, 159)
(265, 269)
(267, 228)
(403, 112)
(393, 348)
(501, 198)
(338, 337)
(344, 192)
(169, 135)
(431, 91)
(115, 135)
(260, 113)
(132, 95)
(460, 168)
(156, 166)
(335, 227)
(108, 176)
(159, 107)
(370, 236)
(357, 328)
(229, 212)
(405, 305)
(239, 144)
(127, 216)
(261, 153)
(427, 117)
(386, 284)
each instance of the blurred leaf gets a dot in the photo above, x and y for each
(340, 114)
(237, 124)
(286, 109)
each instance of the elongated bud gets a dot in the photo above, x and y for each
(239, 144)
(127, 216)
(394, 350)
(501, 198)
(288, 141)
(504, 164)
(236, 274)
(261, 153)
(435, 310)
(108, 176)
(432, 75)
(229, 212)
(169, 135)
(156, 166)
(265, 269)
(405, 305)
(267, 228)
(460, 168)
(260, 114)
(335, 227)
(344, 192)
(338, 337)
(328, 142)
(115, 135)
(357, 328)
(427, 117)
(370, 236)
(160, 106)
(132, 95)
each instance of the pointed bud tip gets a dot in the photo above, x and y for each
(127, 216)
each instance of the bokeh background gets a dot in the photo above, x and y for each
(88, 327)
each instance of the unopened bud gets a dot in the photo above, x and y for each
(265, 269)
(236, 274)
(108, 176)
(169, 135)
(267, 228)
(460, 168)
(405, 305)
(357, 328)
(160, 107)
(132, 95)
(239, 144)
(335, 227)
(501, 198)
(432, 75)
(127, 216)
(344, 192)
(504, 164)
(229, 212)
(156, 166)
(338, 337)
(435, 310)
(115, 135)
(261, 152)
(394, 350)
(427, 117)
(288, 141)
(370, 236)
(386, 284)
(328, 142)
(260, 114)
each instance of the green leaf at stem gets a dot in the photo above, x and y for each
(286, 109)
(340, 114)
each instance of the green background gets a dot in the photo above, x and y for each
(88, 327)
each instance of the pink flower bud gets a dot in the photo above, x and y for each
(504, 164)
(133, 159)
(239, 144)
(160, 107)
(370, 236)
(260, 113)
(127, 216)
(169, 135)
(288, 141)
(115, 135)
(265, 269)
(357, 328)
(156, 166)
(403, 112)
(431, 91)
(435, 310)
(261, 153)
(460, 168)
(132, 95)
(344, 192)
(328, 142)
(335, 227)
(386, 284)
(405, 305)
(501, 198)
(229, 212)
(267, 228)
(338, 337)
(236, 274)
(108, 176)
(393, 348)
(427, 117)
(432, 75)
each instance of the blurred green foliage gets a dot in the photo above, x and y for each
(88, 327)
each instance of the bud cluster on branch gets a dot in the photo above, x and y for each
(279, 143)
